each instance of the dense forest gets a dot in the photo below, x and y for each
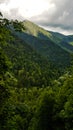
(36, 79)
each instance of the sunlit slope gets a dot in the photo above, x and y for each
(65, 42)
(42, 42)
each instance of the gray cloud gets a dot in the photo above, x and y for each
(14, 14)
(62, 17)
(4, 1)
(58, 17)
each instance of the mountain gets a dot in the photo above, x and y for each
(60, 39)
(29, 39)
(64, 41)
(27, 66)
(36, 89)
(33, 53)
(50, 45)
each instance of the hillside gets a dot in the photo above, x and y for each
(33, 55)
(59, 39)
(30, 40)
(36, 78)
(44, 43)
(32, 68)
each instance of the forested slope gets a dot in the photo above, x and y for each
(35, 94)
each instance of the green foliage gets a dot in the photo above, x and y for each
(34, 93)
(40, 40)
(44, 111)
(4, 63)
(17, 25)
(4, 90)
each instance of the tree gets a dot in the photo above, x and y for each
(43, 119)
(4, 88)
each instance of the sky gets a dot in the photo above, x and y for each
(53, 15)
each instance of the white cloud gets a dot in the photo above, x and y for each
(54, 14)
(27, 8)
(2, 1)
(60, 18)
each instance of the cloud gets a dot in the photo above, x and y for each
(13, 14)
(51, 14)
(27, 8)
(10, 9)
(4, 1)
(59, 16)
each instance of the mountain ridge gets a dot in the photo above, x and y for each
(43, 43)
(50, 45)
(41, 33)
